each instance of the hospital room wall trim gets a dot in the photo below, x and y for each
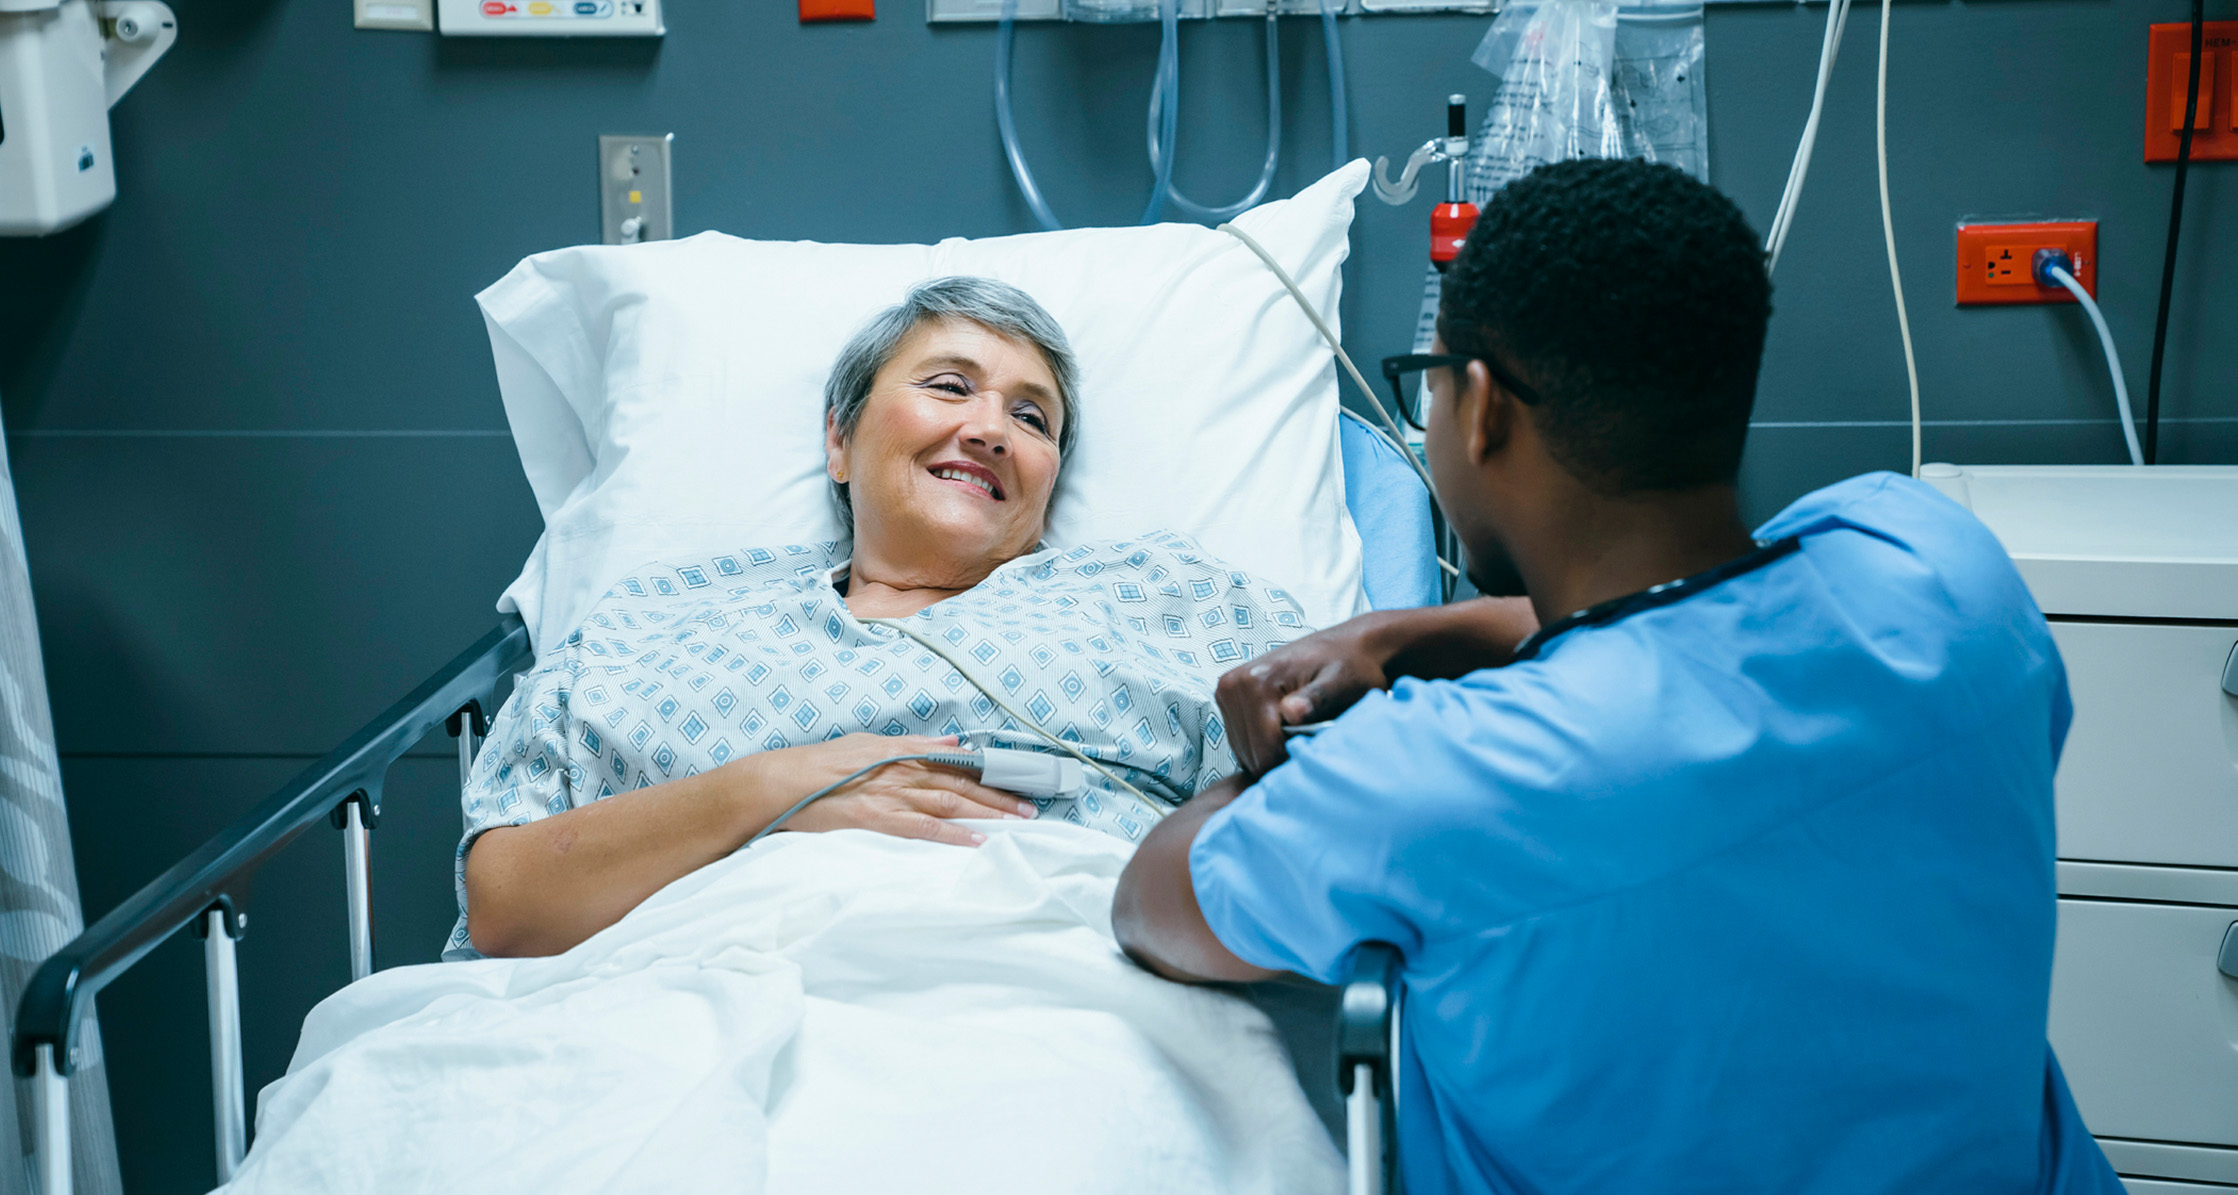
(2108, 422)
(260, 456)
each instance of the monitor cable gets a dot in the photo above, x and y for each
(1394, 436)
(1027, 773)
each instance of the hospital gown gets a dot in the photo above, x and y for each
(1114, 647)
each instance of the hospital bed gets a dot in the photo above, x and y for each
(205, 892)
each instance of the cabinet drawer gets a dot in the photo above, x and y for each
(2145, 1025)
(2165, 1186)
(2150, 773)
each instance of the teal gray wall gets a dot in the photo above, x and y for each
(263, 471)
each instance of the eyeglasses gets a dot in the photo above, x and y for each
(1411, 392)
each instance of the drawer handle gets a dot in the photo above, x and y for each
(2230, 673)
(2227, 961)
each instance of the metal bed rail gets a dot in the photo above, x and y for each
(1369, 1006)
(204, 892)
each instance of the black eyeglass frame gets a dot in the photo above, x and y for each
(1396, 368)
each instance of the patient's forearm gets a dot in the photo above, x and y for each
(541, 888)
(1447, 642)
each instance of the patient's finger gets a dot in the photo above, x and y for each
(964, 785)
(952, 805)
(931, 829)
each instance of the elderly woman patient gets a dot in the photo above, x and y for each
(702, 699)
(921, 993)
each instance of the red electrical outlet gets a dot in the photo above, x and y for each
(1997, 262)
(2214, 127)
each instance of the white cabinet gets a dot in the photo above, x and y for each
(2137, 569)
(2150, 774)
(2145, 1026)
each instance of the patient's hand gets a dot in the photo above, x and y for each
(911, 799)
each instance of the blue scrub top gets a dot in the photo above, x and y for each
(1749, 891)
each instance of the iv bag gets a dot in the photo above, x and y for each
(1553, 60)
(1585, 79)
(1591, 79)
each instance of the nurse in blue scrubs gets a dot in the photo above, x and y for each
(1723, 862)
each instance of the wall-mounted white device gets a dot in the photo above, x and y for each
(633, 191)
(549, 18)
(63, 64)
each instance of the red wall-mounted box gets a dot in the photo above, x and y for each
(2214, 135)
(837, 10)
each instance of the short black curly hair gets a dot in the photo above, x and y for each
(1634, 298)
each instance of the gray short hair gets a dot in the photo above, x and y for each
(997, 306)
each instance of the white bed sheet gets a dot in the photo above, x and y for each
(819, 1013)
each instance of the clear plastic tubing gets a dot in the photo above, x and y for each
(1169, 59)
(1340, 139)
(1166, 98)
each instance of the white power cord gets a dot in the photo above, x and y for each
(1888, 233)
(1837, 19)
(1395, 437)
(2055, 268)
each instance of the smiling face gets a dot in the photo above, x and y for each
(951, 464)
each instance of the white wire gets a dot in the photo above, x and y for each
(1806, 147)
(1158, 809)
(2113, 359)
(1396, 437)
(1888, 233)
(951, 758)
(1837, 19)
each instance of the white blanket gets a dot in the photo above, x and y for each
(823, 1013)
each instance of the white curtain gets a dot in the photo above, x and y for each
(38, 880)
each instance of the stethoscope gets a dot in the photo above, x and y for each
(1614, 609)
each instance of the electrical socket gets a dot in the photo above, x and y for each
(1997, 262)
(944, 11)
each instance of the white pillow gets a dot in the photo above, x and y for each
(668, 398)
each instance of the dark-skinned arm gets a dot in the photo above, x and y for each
(1321, 675)
(1155, 913)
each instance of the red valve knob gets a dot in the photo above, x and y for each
(1449, 226)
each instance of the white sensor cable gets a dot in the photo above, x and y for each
(1837, 19)
(2055, 268)
(1888, 233)
(1027, 773)
(1395, 437)
(1158, 809)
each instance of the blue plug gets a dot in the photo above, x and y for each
(2045, 260)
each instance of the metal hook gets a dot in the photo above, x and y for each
(1403, 190)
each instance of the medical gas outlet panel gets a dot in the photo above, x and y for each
(1113, 11)
(551, 18)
